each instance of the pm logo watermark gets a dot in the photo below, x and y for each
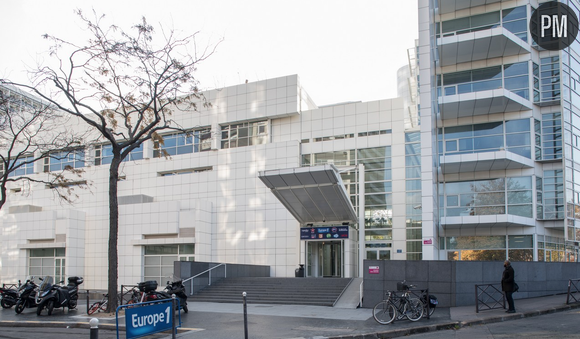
(554, 26)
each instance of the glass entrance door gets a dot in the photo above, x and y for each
(324, 259)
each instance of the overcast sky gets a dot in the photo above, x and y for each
(342, 50)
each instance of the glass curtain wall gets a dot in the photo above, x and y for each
(413, 206)
(570, 101)
(378, 192)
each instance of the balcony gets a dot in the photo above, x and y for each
(485, 161)
(474, 221)
(450, 6)
(479, 45)
(469, 104)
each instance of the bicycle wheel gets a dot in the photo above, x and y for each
(94, 307)
(103, 306)
(431, 310)
(414, 309)
(384, 312)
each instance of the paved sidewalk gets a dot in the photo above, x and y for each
(223, 321)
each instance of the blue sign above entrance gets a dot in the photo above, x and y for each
(324, 233)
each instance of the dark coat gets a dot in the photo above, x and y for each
(507, 279)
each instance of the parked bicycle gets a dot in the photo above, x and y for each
(398, 307)
(100, 306)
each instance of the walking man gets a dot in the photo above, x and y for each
(507, 285)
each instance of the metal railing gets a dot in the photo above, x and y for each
(205, 278)
(126, 293)
(488, 297)
(573, 289)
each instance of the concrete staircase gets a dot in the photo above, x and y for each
(285, 291)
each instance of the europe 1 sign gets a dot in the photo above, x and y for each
(148, 318)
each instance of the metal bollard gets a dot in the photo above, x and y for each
(173, 306)
(94, 328)
(245, 316)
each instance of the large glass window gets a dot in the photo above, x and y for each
(512, 19)
(490, 248)
(61, 160)
(159, 259)
(22, 165)
(183, 143)
(513, 135)
(551, 136)
(550, 79)
(104, 154)
(244, 134)
(488, 197)
(47, 261)
(515, 78)
(553, 194)
(413, 206)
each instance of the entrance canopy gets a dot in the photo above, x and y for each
(312, 194)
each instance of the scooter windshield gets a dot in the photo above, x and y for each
(47, 283)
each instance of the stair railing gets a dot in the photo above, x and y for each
(210, 279)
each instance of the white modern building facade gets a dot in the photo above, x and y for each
(499, 116)
(488, 169)
(206, 202)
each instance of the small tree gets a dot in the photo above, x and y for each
(29, 132)
(125, 86)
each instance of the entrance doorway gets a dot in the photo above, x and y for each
(324, 259)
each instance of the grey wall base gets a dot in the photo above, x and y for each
(186, 269)
(453, 282)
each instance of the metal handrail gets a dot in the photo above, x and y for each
(204, 272)
(486, 298)
(573, 288)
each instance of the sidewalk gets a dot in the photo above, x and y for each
(223, 321)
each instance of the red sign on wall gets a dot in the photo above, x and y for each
(427, 241)
(373, 269)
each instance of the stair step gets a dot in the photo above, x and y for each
(291, 291)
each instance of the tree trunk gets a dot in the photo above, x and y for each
(113, 231)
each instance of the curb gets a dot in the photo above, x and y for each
(454, 324)
(79, 324)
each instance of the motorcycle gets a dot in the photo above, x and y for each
(52, 295)
(150, 293)
(26, 295)
(9, 296)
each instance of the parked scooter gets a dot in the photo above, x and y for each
(27, 295)
(176, 287)
(9, 296)
(55, 296)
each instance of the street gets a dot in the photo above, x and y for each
(557, 325)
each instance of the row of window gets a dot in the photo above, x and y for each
(158, 261)
(512, 135)
(512, 19)
(513, 77)
(237, 135)
(348, 136)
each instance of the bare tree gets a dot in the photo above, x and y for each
(124, 85)
(31, 131)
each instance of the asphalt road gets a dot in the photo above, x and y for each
(561, 325)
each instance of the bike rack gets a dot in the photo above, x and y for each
(486, 297)
(573, 288)
(422, 293)
(126, 290)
